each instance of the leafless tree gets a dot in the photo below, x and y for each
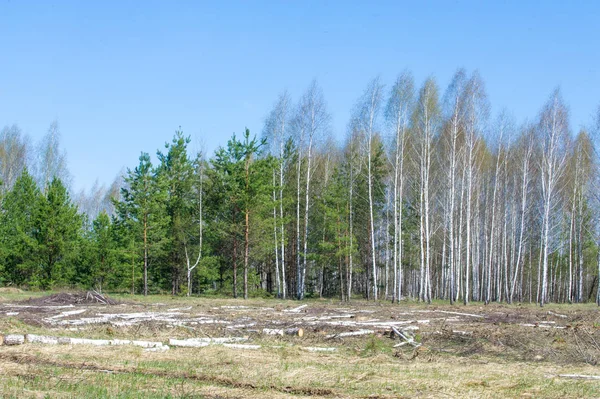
(312, 122)
(553, 135)
(365, 119)
(398, 110)
(14, 154)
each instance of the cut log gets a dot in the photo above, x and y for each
(41, 339)
(221, 340)
(14, 339)
(86, 341)
(350, 334)
(298, 332)
(143, 344)
(201, 342)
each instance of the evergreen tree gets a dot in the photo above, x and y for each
(176, 173)
(18, 230)
(142, 213)
(104, 267)
(58, 225)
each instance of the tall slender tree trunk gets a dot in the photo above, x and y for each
(306, 207)
(277, 276)
(299, 287)
(234, 255)
(246, 229)
(145, 257)
(282, 226)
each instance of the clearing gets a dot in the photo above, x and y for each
(90, 345)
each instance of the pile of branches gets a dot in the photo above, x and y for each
(73, 298)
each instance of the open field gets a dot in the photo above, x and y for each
(441, 350)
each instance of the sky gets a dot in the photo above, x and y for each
(121, 77)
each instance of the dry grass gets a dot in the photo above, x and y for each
(497, 357)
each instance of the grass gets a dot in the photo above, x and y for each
(363, 367)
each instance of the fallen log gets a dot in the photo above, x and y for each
(221, 340)
(14, 339)
(298, 332)
(201, 342)
(41, 339)
(87, 341)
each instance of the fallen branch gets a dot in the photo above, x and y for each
(296, 310)
(299, 332)
(350, 334)
(557, 314)
(407, 340)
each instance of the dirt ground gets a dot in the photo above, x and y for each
(357, 349)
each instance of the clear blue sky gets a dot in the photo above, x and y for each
(121, 76)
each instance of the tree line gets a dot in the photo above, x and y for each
(427, 197)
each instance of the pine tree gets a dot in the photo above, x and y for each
(142, 213)
(58, 225)
(176, 172)
(18, 232)
(104, 267)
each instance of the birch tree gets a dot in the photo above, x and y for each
(426, 119)
(477, 110)
(312, 121)
(455, 115)
(276, 130)
(366, 114)
(14, 154)
(398, 110)
(553, 135)
(51, 159)
(199, 165)
(526, 152)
